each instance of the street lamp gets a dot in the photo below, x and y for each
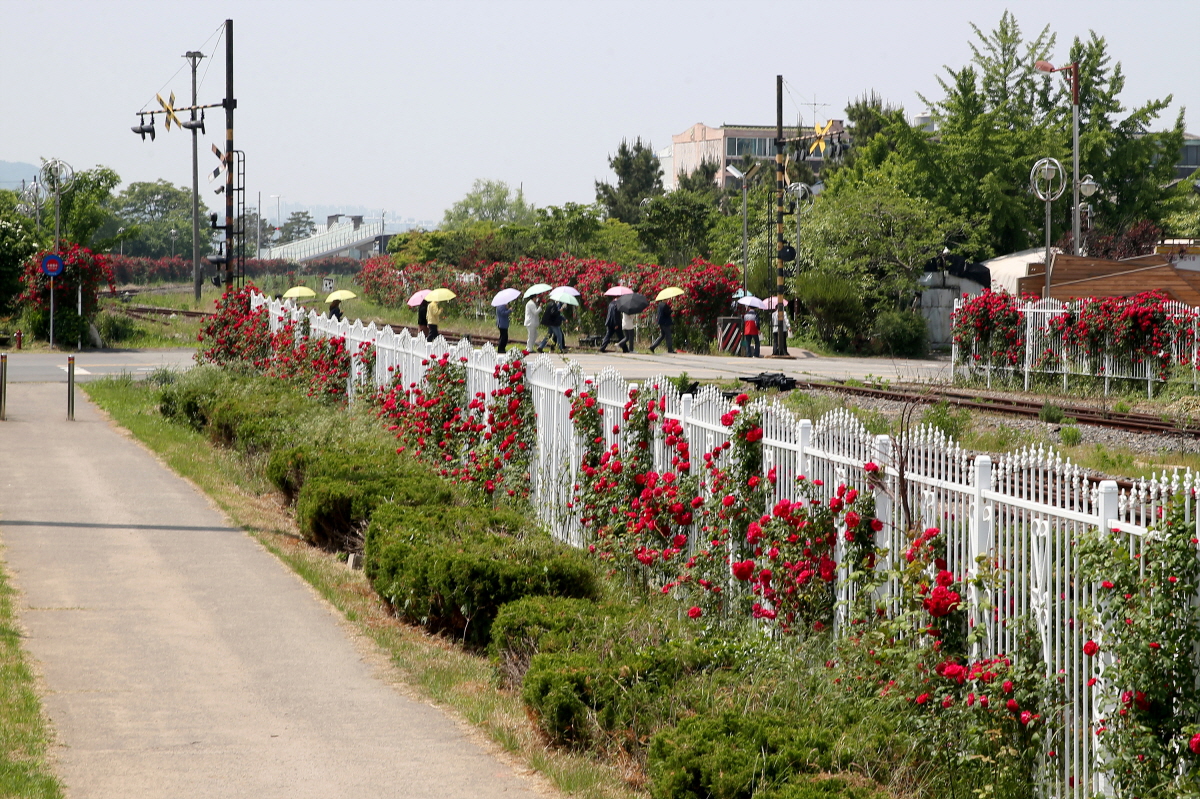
(174, 235)
(744, 177)
(278, 215)
(1076, 185)
(1048, 180)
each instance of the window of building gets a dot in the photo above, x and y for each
(1191, 155)
(737, 147)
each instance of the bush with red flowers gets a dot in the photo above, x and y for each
(1146, 621)
(234, 334)
(989, 330)
(83, 269)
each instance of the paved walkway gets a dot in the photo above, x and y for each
(41, 367)
(180, 658)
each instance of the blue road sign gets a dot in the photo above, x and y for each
(52, 265)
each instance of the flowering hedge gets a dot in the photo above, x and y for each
(708, 287)
(1147, 626)
(128, 269)
(83, 269)
(236, 336)
(990, 328)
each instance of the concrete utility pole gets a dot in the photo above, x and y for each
(230, 103)
(193, 58)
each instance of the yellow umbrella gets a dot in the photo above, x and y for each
(296, 292)
(341, 294)
(440, 295)
(668, 293)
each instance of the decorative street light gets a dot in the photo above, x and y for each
(1077, 186)
(174, 235)
(1048, 180)
(33, 197)
(744, 177)
(57, 176)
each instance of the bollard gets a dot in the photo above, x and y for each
(19, 336)
(70, 388)
(3, 385)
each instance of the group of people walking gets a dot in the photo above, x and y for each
(619, 328)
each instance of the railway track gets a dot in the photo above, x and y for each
(150, 311)
(1015, 406)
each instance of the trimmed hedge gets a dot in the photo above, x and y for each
(451, 568)
(578, 696)
(734, 756)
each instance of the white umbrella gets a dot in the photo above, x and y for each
(753, 302)
(562, 295)
(505, 296)
(537, 288)
(617, 291)
(574, 292)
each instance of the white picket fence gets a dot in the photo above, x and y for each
(1022, 513)
(1045, 353)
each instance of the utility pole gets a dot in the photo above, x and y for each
(193, 58)
(779, 350)
(258, 230)
(229, 103)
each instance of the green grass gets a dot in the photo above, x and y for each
(24, 733)
(462, 682)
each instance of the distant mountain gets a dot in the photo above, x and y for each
(11, 174)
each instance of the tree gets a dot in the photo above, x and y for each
(86, 212)
(570, 227)
(639, 175)
(19, 240)
(299, 225)
(676, 226)
(150, 211)
(489, 201)
(877, 239)
(257, 229)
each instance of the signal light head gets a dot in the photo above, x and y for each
(142, 128)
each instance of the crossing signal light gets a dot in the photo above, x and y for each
(142, 128)
(212, 220)
(194, 124)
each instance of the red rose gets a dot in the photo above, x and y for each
(922, 699)
(1194, 744)
(1091, 648)
(1012, 706)
(695, 612)
(942, 601)
(743, 570)
(870, 468)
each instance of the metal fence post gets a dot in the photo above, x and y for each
(980, 539)
(70, 388)
(3, 386)
(1108, 505)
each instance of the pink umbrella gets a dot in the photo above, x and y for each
(617, 291)
(415, 299)
(770, 302)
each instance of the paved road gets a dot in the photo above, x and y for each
(180, 658)
(640, 365)
(51, 367)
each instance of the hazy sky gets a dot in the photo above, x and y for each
(401, 105)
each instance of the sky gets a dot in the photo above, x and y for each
(402, 105)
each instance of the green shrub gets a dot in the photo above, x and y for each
(69, 326)
(190, 399)
(1050, 413)
(733, 756)
(901, 333)
(115, 327)
(817, 788)
(451, 568)
(1070, 436)
(286, 469)
(833, 301)
(575, 696)
(953, 423)
(1121, 406)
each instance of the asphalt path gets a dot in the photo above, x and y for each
(179, 658)
(42, 367)
(51, 367)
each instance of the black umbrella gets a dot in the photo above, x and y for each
(632, 303)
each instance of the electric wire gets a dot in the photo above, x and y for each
(220, 30)
(220, 34)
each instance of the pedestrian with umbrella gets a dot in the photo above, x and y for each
(502, 302)
(628, 307)
(335, 302)
(612, 328)
(750, 342)
(435, 299)
(552, 318)
(533, 313)
(666, 322)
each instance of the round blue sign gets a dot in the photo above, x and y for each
(52, 265)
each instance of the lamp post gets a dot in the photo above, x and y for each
(58, 176)
(1087, 186)
(174, 235)
(737, 173)
(1048, 180)
(278, 215)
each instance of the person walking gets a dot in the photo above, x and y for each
(533, 318)
(665, 327)
(628, 325)
(435, 318)
(612, 328)
(750, 334)
(552, 318)
(335, 310)
(503, 312)
(787, 324)
(423, 319)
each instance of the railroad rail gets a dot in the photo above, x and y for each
(1015, 406)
